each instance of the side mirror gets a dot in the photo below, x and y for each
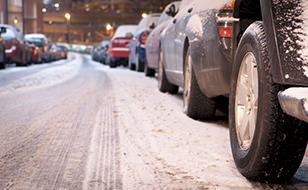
(152, 26)
(171, 11)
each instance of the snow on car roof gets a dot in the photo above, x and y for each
(123, 30)
(28, 36)
(199, 5)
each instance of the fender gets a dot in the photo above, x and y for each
(210, 65)
(287, 64)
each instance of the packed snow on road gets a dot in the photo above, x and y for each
(78, 124)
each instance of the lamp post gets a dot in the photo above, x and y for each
(68, 19)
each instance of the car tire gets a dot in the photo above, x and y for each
(139, 64)
(148, 71)
(267, 145)
(24, 61)
(2, 65)
(112, 64)
(196, 104)
(163, 83)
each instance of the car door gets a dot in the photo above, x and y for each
(179, 42)
(168, 48)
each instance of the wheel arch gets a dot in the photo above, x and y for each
(249, 11)
(186, 46)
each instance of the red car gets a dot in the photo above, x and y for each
(16, 51)
(36, 52)
(119, 46)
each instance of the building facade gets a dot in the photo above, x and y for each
(25, 15)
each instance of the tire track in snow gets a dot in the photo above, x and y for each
(103, 164)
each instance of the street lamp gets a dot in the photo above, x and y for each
(144, 15)
(68, 19)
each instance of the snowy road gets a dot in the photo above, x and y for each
(76, 124)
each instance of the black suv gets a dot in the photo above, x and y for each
(269, 88)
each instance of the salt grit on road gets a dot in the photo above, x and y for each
(162, 148)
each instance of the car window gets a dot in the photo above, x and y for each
(164, 17)
(9, 34)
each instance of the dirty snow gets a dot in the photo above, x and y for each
(162, 142)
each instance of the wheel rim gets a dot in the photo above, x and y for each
(187, 82)
(246, 101)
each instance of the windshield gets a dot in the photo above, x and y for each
(8, 34)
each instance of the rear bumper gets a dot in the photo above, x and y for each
(119, 52)
(294, 102)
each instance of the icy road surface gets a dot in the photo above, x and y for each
(76, 124)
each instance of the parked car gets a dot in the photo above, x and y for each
(56, 52)
(95, 53)
(103, 53)
(64, 51)
(2, 49)
(119, 46)
(16, 51)
(45, 45)
(137, 43)
(252, 52)
(36, 52)
(152, 45)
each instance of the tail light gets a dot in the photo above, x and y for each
(224, 21)
(120, 42)
(8, 44)
(144, 37)
(229, 5)
(225, 31)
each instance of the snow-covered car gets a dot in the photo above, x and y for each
(45, 45)
(103, 52)
(137, 56)
(152, 45)
(255, 53)
(16, 51)
(118, 51)
(2, 50)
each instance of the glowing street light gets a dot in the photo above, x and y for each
(15, 20)
(56, 5)
(144, 15)
(108, 27)
(67, 16)
(44, 10)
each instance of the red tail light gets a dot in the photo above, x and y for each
(225, 32)
(229, 5)
(144, 37)
(8, 44)
(120, 42)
